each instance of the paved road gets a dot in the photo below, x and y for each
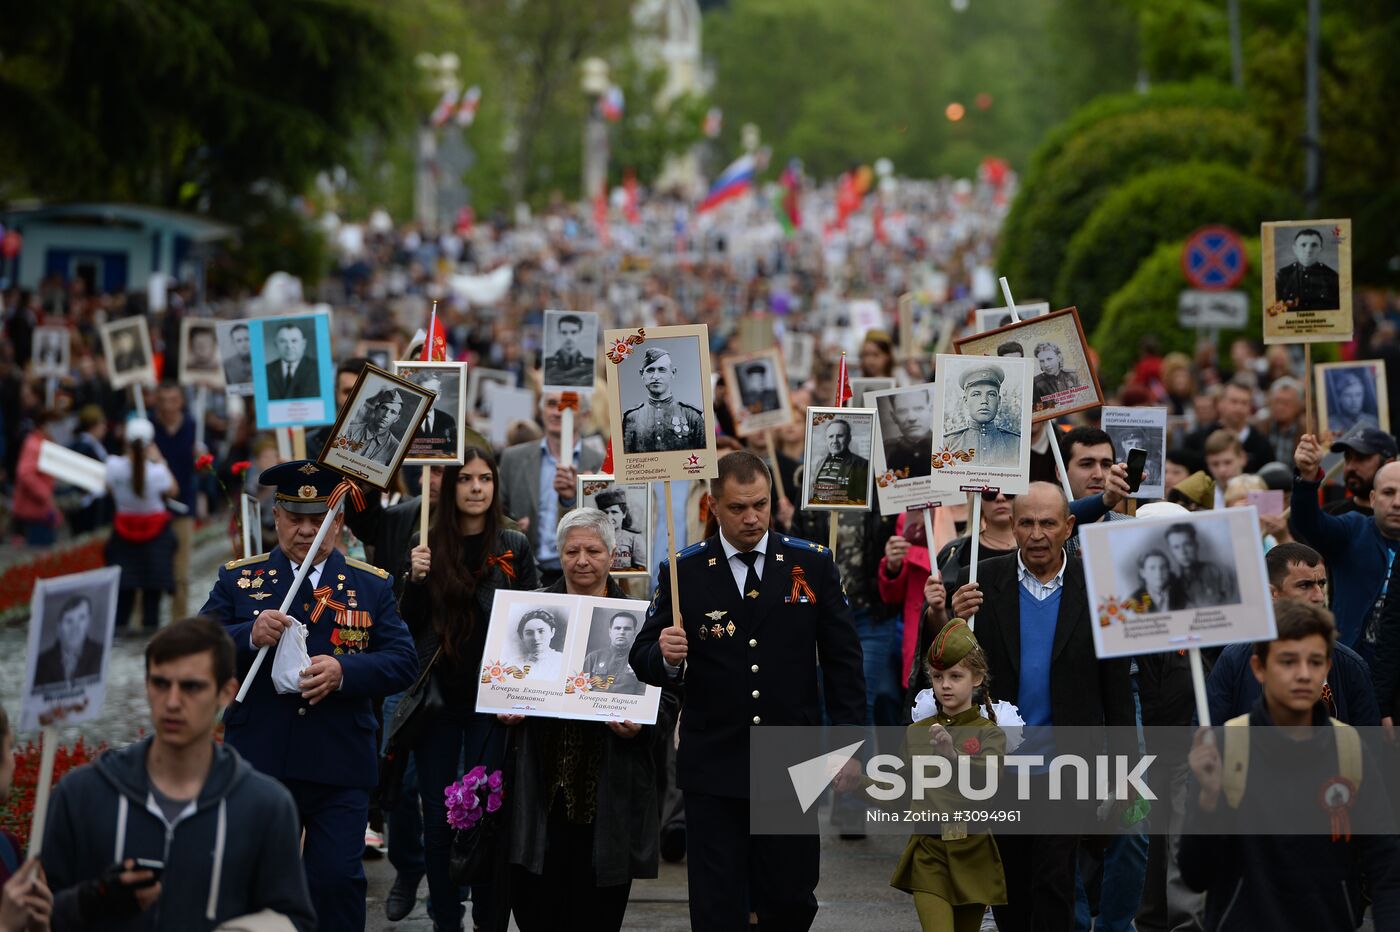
(854, 893)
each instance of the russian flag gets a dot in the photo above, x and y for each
(732, 182)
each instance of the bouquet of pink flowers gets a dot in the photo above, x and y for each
(472, 797)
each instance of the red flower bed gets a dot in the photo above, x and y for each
(18, 812)
(17, 581)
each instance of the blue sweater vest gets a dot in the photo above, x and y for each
(1037, 642)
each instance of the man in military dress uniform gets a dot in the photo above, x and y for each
(1053, 376)
(319, 743)
(843, 476)
(756, 607)
(912, 450)
(372, 434)
(631, 551)
(1307, 284)
(568, 365)
(990, 445)
(755, 392)
(661, 423)
(608, 665)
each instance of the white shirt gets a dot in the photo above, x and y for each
(312, 577)
(158, 482)
(738, 567)
(1040, 591)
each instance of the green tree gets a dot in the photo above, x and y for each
(1162, 204)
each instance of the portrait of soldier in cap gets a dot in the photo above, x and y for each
(841, 477)
(756, 391)
(371, 432)
(661, 423)
(989, 444)
(630, 552)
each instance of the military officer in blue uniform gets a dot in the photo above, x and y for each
(757, 606)
(320, 743)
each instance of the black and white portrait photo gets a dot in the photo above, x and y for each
(1064, 381)
(836, 470)
(906, 430)
(1158, 584)
(1139, 428)
(292, 367)
(611, 632)
(1306, 276)
(1306, 281)
(70, 638)
(478, 398)
(663, 402)
(373, 430)
(570, 347)
(861, 386)
(51, 351)
(439, 438)
(199, 353)
(126, 344)
(383, 353)
(236, 354)
(535, 641)
(984, 423)
(628, 507)
(798, 350)
(1351, 396)
(993, 318)
(660, 403)
(757, 392)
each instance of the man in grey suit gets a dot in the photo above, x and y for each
(537, 489)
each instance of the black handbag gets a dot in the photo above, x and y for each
(475, 851)
(419, 705)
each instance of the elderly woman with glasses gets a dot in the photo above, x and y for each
(584, 806)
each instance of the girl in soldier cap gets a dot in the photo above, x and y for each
(952, 874)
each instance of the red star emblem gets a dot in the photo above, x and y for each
(1337, 232)
(693, 460)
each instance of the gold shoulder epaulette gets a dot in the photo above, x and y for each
(362, 565)
(246, 561)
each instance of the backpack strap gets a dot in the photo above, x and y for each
(1236, 760)
(1348, 752)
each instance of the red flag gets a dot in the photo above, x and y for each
(607, 467)
(843, 384)
(435, 344)
(600, 218)
(878, 218)
(629, 188)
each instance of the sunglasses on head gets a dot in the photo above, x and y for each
(990, 495)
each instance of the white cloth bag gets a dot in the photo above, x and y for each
(291, 658)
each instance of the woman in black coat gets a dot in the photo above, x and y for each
(582, 796)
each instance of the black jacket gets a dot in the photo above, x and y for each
(1083, 689)
(754, 666)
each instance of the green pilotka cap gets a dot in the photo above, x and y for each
(952, 643)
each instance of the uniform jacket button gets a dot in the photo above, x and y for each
(756, 719)
(753, 642)
(301, 711)
(755, 694)
(753, 669)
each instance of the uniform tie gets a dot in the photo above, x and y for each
(751, 580)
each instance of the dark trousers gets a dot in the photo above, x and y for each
(334, 818)
(732, 873)
(439, 756)
(405, 820)
(150, 611)
(1041, 871)
(568, 888)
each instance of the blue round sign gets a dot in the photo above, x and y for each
(1213, 259)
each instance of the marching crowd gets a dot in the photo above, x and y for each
(181, 830)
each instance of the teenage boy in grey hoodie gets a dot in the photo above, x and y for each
(225, 837)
